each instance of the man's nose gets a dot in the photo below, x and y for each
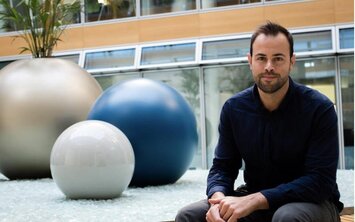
(269, 67)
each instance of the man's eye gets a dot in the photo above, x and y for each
(260, 58)
(278, 59)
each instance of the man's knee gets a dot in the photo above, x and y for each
(287, 213)
(304, 212)
(193, 212)
(183, 215)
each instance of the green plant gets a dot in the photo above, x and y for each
(42, 22)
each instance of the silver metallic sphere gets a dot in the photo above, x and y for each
(39, 99)
(92, 159)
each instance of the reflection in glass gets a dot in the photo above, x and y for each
(110, 59)
(151, 7)
(6, 26)
(346, 38)
(312, 41)
(168, 54)
(346, 65)
(112, 79)
(186, 82)
(5, 63)
(74, 58)
(219, 3)
(220, 84)
(318, 74)
(98, 10)
(224, 49)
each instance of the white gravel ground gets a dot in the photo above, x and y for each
(41, 200)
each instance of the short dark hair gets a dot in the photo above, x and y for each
(272, 29)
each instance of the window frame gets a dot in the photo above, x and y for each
(170, 64)
(337, 29)
(109, 69)
(315, 30)
(228, 60)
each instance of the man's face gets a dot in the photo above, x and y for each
(271, 63)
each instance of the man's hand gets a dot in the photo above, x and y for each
(232, 208)
(213, 213)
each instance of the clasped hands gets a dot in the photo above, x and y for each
(231, 208)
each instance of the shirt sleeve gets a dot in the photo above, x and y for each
(227, 160)
(318, 182)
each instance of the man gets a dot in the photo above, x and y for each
(285, 133)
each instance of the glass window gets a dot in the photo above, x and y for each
(151, 7)
(168, 54)
(224, 49)
(5, 63)
(346, 38)
(7, 26)
(279, 0)
(318, 73)
(346, 65)
(185, 81)
(219, 3)
(2, 22)
(110, 59)
(98, 10)
(74, 58)
(313, 41)
(220, 84)
(109, 80)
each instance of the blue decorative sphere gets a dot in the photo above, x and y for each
(158, 122)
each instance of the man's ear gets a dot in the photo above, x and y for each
(250, 60)
(293, 60)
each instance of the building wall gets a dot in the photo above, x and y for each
(308, 13)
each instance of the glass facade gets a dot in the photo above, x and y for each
(317, 73)
(103, 10)
(110, 59)
(171, 53)
(107, 81)
(225, 49)
(346, 38)
(220, 83)
(219, 3)
(6, 26)
(99, 10)
(4, 63)
(346, 68)
(151, 7)
(314, 41)
(72, 57)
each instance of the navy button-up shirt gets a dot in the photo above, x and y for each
(290, 154)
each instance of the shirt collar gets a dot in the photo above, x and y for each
(284, 103)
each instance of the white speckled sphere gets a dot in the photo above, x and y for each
(39, 99)
(92, 160)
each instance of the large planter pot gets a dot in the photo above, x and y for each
(39, 99)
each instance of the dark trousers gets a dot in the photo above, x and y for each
(292, 212)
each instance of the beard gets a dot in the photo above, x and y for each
(270, 88)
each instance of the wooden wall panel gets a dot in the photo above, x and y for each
(344, 9)
(110, 34)
(9, 46)
(176, 27)
(231, 21)
(72, 38)
(310, 13)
